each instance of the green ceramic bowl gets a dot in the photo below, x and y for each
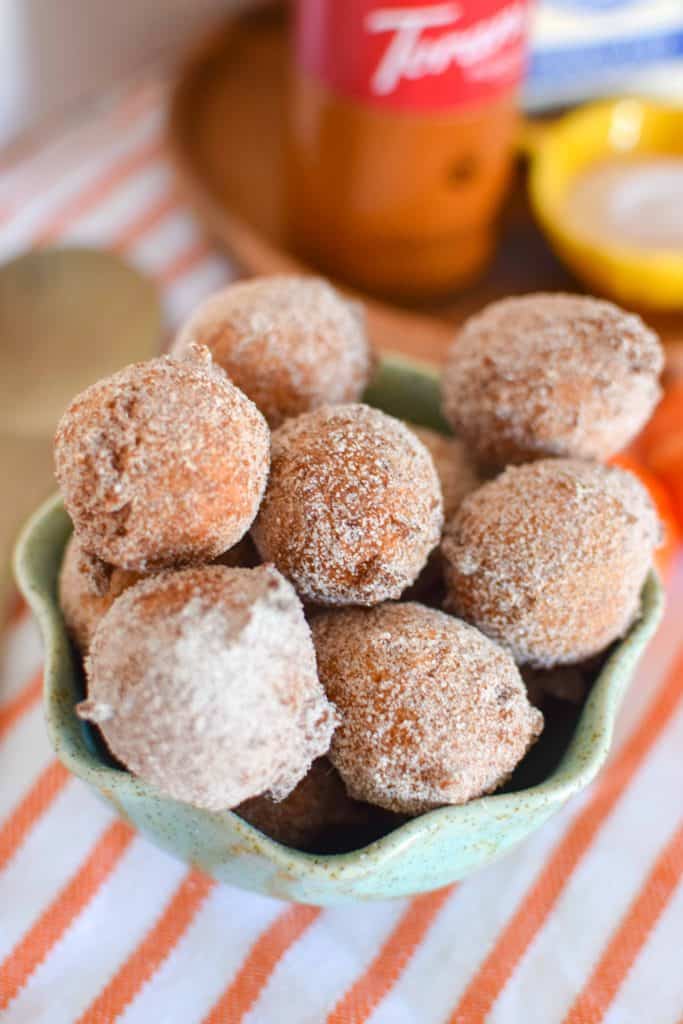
(427, 852)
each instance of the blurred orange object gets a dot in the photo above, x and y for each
(665, 460)
(668, 507)
(667, 421)
(660, 446)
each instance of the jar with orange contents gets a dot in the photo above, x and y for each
(401, 132)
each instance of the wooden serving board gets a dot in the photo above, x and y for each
(226, 129)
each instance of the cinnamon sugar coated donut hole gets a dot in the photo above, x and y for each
(353, 505)
(88, 590)
(163, 464)
(456, 471)
(305, 818)
(432, 711)
(550, 558)
(564, 375)
(290, 343)
(457, 476)
(203, 683)
(85, 600)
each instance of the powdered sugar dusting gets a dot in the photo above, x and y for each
(163, 464)
(83, 603)
(551, 375)
(432, 711)
(550, 558)
(353, 505)
(88, 587)
(290, 343)
(205, 685)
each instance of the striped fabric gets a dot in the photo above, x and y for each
(583, 924)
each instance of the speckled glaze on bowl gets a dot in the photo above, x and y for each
(428, 852)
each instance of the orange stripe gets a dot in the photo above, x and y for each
(515, 938)
(194, 255)
(359, 1002)
(64, 909)
(146, 221)
(14, 709)
(152, 951)
(31, 150)
(40, 796)
(98, 189)
(135, 102)
(596, 997)
(261, 961)
(16, 611)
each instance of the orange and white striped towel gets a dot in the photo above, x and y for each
(583, 923)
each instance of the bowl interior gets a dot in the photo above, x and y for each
(574, 745)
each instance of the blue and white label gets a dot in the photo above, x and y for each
(581, 48)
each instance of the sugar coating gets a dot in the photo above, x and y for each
(550, 558)
(203, 683)
(456, 471)
(83, 601)
(87, 589)
(458, 476)
(433, 712)
(319, 803)
(290, 343)
(353, 505)
(163, 464)
(541, 374)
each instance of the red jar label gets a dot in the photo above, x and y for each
(406, 55)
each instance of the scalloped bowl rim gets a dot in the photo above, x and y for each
(592, 736)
